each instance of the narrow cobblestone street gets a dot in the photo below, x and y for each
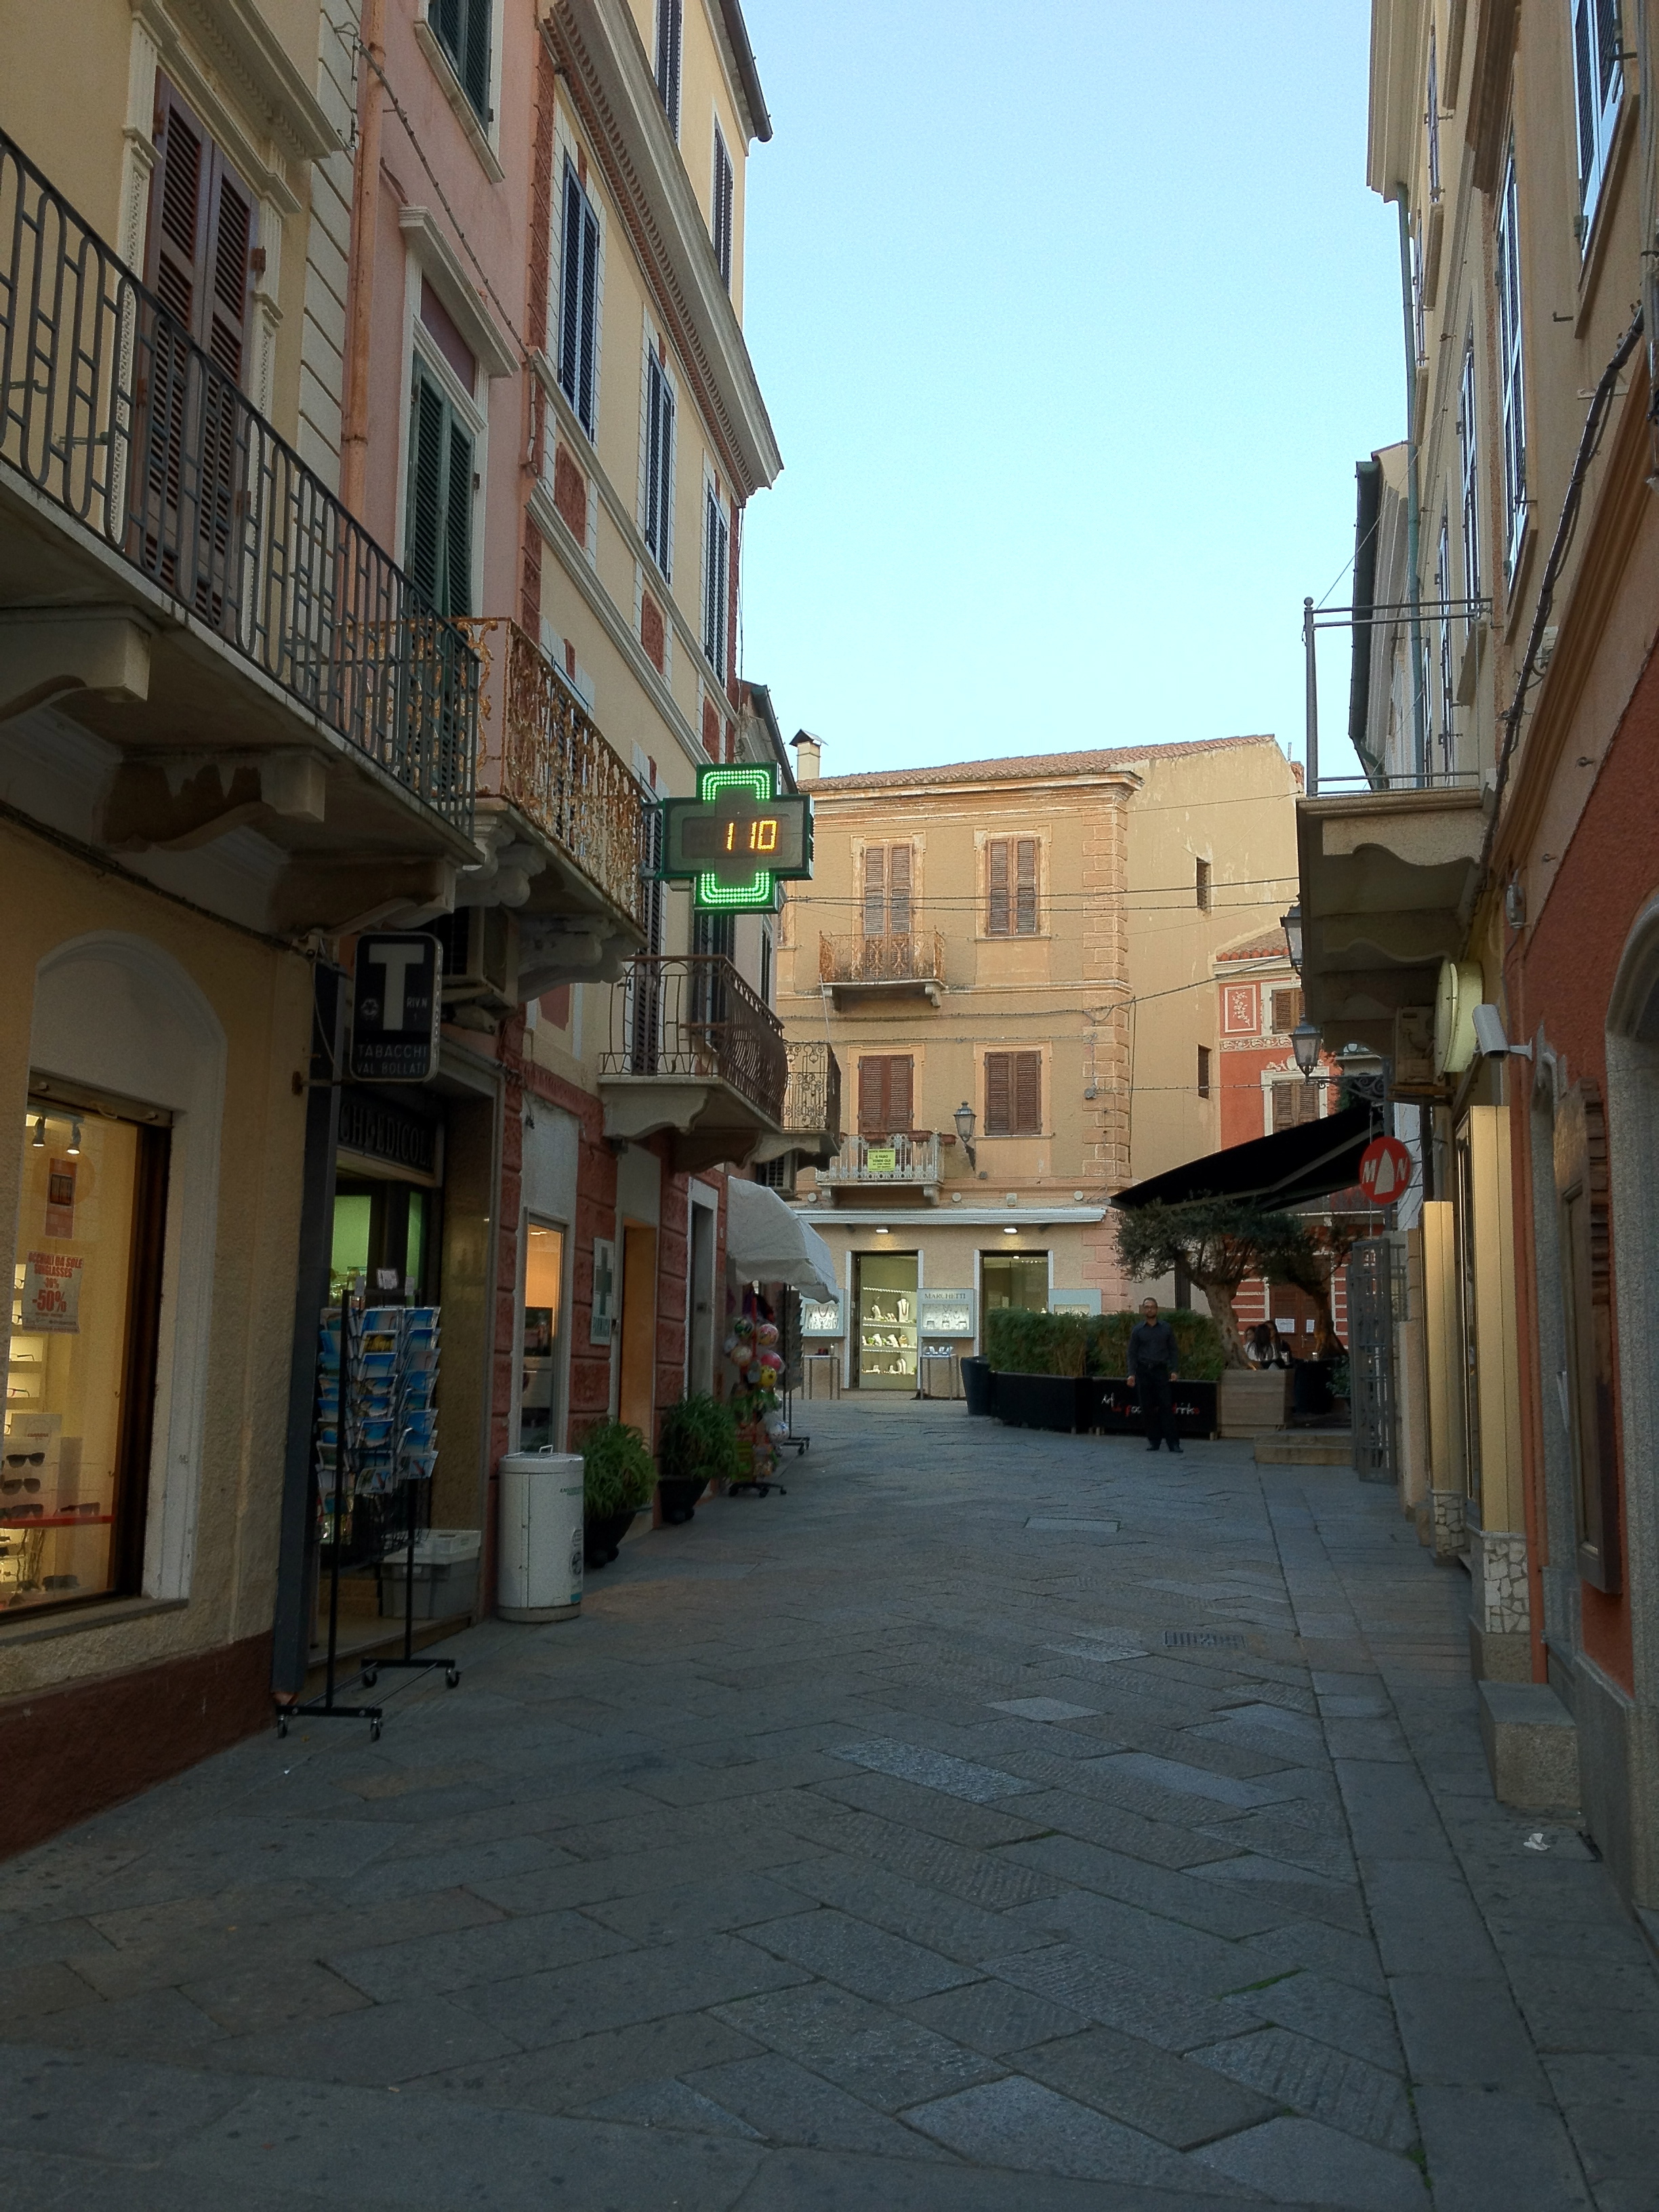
(996, 1820)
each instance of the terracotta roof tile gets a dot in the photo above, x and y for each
(1018, 766)
(1269, 947)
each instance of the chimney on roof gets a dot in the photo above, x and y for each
(809, 751)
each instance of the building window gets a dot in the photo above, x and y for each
(1013, 1094)
(1286, 1010)
(766, 966)
(1598, 85)
(659, 463)
(716, 579)
(1204, 1071)
(438, 528)
(201, 241)
(1295, 1102)
(578, 301)
(1434, 120)
(1010, 882)
(887, 879)
(85, 1321)
(462, 29)
(1419, 335)
(720, 206)
(886, 1094)
(1201, 886)
(778, 1173)
(670, 37)
(1468, 471)
(1510, 377)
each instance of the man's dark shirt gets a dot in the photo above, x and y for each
(1152, 1343)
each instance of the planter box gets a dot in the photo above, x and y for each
(1066, 1402)
(1254, 1401)
(1119, 1408)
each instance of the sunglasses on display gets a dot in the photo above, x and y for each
(18, 1512)
(8, 1483)
(26, 1459)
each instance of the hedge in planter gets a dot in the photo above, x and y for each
(1019, 1341)
(618, 1476)
(699, 1445)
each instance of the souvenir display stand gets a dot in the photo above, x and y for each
(377, 1373)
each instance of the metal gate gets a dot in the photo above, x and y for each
(1370, 1358)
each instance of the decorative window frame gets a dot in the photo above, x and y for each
(419, 341)
(983, 839)
(568, 147)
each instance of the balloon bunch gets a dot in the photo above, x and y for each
(756, 1402)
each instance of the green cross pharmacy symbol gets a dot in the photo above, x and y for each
(736, 839)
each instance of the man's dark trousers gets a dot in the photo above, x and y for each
(1157, 1406)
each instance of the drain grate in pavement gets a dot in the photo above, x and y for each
(1204, 1639)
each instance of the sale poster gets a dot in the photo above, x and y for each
(60, 1199)
(51, 1292)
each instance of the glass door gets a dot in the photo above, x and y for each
(543, 1315)
(887, 1320)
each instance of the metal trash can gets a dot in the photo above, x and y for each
(540, 1531)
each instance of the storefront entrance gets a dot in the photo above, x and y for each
(887, 1320)
(540, 1428)
(1014, 1278)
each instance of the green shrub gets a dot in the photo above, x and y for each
(1020, 1342)
(699, 1442)
(618, 1473)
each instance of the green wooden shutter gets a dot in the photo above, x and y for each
(457, 522)
(423, 536)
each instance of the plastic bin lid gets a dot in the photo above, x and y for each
(528, 1462)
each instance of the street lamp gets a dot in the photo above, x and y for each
(1291, 923)
(1305, 1043)
(963, 1118)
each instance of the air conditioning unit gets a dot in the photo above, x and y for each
(481, 958)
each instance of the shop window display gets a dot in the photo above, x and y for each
(81, 1366)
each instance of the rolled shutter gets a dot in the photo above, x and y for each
(875, 892)
(998, 1093)
(1025, 899)
(996, 918)
(898, 891)
(1028, 1094)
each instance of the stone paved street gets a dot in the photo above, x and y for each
(996, 1820)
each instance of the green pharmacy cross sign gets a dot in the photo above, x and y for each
(736, 838)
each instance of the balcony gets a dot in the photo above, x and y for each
(557, 808)
(811, 1107)
(896, 1163)
(176, 581)
(693, 1051)
(862, 971)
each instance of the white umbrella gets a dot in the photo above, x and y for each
(766, 1242)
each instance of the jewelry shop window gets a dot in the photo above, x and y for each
(81, 1366)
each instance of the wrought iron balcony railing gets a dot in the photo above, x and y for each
(539, 750)
(811, 1103)
(109, 411)
(691, 1016)
(915, 958)
(902, 1158)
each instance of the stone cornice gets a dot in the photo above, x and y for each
(603, 65)
(232, 57)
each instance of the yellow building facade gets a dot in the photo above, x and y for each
(1027, 945)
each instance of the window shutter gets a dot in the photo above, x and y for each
(1028, 1094)
(571, 288)
(225, 303)
(1201, 886)
(1203, 1070)
(590, 318)
(900, 1108)
(999, 1089)
(669, 36)
(1287, 1011)
(475, 57)
(721, 209)
(1026, 901)
(423, 547)
(716, 580)
(875, 890)
(996, 918)
(457, 522)
(871, 1098)
(178, 216)
(898, 890)
(1295, 1104)
(1581, 1176)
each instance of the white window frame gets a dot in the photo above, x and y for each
(715, 516)
(1468, 472)
(654, 365)
(1598, 86)
(1511, 368)
(569, 176)
(670, 20)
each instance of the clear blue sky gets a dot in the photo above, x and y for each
(1074, 320)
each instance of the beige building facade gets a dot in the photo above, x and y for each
(1013, 962)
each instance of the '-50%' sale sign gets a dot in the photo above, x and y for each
(51, 1292)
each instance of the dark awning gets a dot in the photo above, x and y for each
(1290, 1168)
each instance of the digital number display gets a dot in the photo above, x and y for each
(713, 838)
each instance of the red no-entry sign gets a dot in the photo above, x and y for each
(1385, 1170)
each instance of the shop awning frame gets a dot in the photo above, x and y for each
(1292, 1168)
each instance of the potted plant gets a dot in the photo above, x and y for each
(618, 1480)
(698, 1446)
(1040, 1361)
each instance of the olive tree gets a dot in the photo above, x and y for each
(1219, 1242)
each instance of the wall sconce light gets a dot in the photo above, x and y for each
(75, 1140)
(39, 1136)
(883, 1232)
(1305, 1043)
(1010, 1230)
(964, 1117)
(1291, 923)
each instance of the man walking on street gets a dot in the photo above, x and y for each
(1152, 1364)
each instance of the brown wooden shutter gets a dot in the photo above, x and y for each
(998, 1093)
(901, 1108)
(1028, 1094)
(1026, 900)
(1295, 1104)
(1203, 1070)
(885, 1089)
(1287, 1010)
(996, 918)
(225, 301)
(198, 257)
(1580, 1178)
(875, 891)
(898, 890)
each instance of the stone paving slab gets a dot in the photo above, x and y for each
(1099, 1919)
